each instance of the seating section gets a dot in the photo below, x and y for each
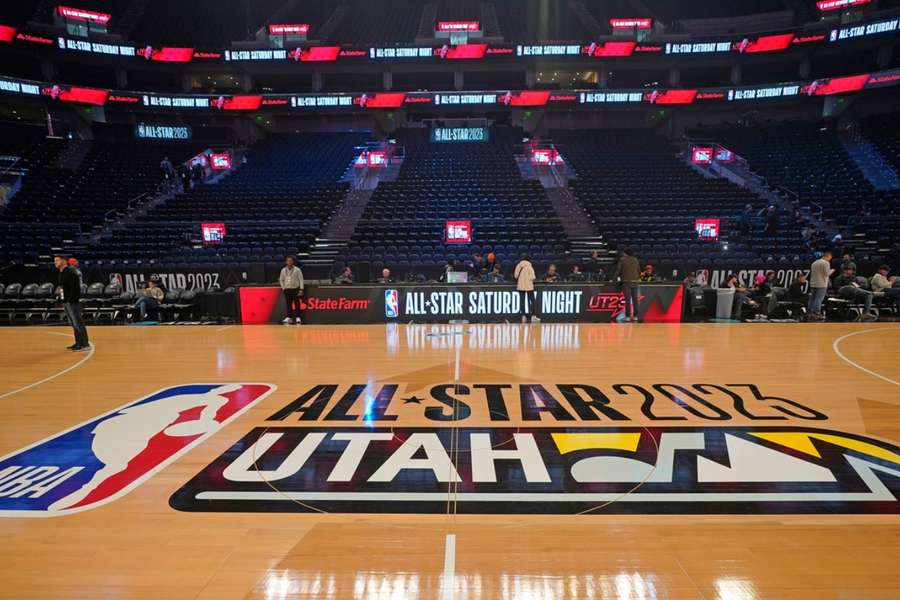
(809, 160)
(274, 204)
(884, 132)
(201, 23)
(698, 9)
(110, 175)
(640, 194)
(402, 225)
(380, 22)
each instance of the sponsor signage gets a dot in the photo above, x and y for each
(764, 92)
(661, 303)
(162, 132)
(103, 459)
(81, 14)
(289, 29)
(458, 232)
(220, 161)
(95, 47)
(213, 233)
(865, 30)
(702, 155)
(631, 23)
(549, 50)
(458, 26)
(459, 134)
(830, 5)
(707, 229)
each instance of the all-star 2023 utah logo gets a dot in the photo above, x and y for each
(579, 448)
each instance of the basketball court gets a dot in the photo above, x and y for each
(452, 461)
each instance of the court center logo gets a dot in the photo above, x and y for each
(103, 459)
(573, 470)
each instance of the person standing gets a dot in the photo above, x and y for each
(291, 281)
(628, 271)
(524, 276)
(70, 295)
(819, 275)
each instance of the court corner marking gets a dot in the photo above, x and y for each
(835, 347)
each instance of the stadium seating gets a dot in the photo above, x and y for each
(380, 22)
(403, 222)
(809, 160)
(641, 195)
(111, 174)
(275, 204)
(201, 23)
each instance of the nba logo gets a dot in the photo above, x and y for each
(103, 459)
(391, 304)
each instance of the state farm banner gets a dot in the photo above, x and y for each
(360, 304)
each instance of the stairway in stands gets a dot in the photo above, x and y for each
(878, 171)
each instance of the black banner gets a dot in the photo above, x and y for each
(599, 303)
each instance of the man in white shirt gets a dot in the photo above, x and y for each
(885, 285)
(819, 275)
(291, 281)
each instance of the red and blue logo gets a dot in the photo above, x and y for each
(101, 460)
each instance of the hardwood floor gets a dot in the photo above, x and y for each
(528, 462)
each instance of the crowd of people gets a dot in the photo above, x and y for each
(810, 292)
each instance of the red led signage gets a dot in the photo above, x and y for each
(701, 155)
(612, 49)
(166, 54)
(7, 33)
(528, 98)
(80, 14)
(671, 96)
(458, 232)
(315, 54)
(239, 102)
(213, 233)
(637, 23)
(220, 162)
(458, 26)
(837, 85)
(386, 100)
(829, 5)
(289, 29)
(463, 51)
(707, 229)
(80, 95)
(766, 43)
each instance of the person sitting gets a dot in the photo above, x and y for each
(476, 267)
(345, 278)
(741, 298)
(577, 275)
(849, 287)
(690, 280)
(883, 285)
(764, 291)
(495, 276)
(795, 290)
(491, 263)
(149, 298)
(385, 276)
(647, 275)
(594, 268)
(551, 276)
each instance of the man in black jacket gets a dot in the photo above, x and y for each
(70, 294)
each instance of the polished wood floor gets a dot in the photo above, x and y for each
(138, 547)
